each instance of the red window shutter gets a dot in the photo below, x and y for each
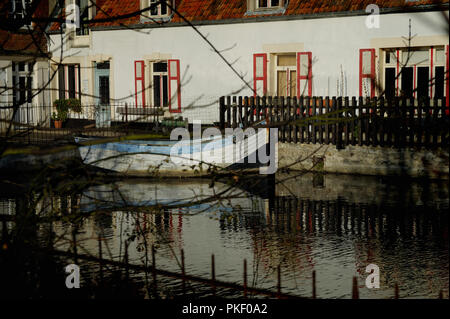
(77, 81)
(139, 82)
(259, 74)
(367, 70)
(66, 81)
(304, 73)
(174, 86)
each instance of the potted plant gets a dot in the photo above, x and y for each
(63, 106)
(62, 109)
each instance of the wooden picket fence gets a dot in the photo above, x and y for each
(342, 121)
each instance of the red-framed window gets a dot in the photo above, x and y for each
(304, 73)
(174, 86)
(416, 72)
(259, 74)
(69, 81)
(139, 82)
(367, 74)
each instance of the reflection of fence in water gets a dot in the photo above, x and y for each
(292, 214)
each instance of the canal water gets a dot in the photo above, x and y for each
(334, 225)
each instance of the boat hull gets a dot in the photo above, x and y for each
(173, 158)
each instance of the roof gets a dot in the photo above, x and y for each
(220, 10)
(23, 41)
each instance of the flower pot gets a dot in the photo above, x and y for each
(58, 124)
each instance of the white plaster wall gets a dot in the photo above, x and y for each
(205, 77)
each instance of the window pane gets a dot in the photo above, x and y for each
(22, 89)
(61, 82)
(71, 81)
(163, 8)
(287, 60)
(160, 67)
(154, 9)
(173, 69)
(282, 83)
(293, 83)
(439, 82)
(29, 89)
(440, 56)
(389, 82)
(156, 90)
(165, 91)
(138, 70)
(259, 67)
(407, 81)
(303, 65)
(275, 3)
(423, 82)
(262, 3)
(104, 90)
(413, 57)
(367, 62)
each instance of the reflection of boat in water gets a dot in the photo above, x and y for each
(190, 196)
(186, 157)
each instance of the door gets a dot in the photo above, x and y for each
(101, 92)
(22, 93)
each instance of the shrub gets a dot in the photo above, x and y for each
(63, 106)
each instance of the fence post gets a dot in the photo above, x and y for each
(126, 112)
(314, 122)
(222, 112)
(183, 272)
(289, 118)
(234, 124)
(314, 284)
(327, 122)
(295, 118)
(355, 292)
(213, 275)
(155, 285)
(245, 278)
(278, 282)
(240, 120)
(396, 293)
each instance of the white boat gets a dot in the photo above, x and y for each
(186, 157)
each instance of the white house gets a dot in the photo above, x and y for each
(24, 66)
(182, 55)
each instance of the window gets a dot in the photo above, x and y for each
(22, 82)
(415, 72)
(69, 81)
(160, 84)
(83, 6)
(367, 72)
(18, 10)
(260, 74)
(260, 4)
(139, 82)
(174, 86)
(304, 74)
(161, 9)
(286, 75)
(290, 74)
(165, 84)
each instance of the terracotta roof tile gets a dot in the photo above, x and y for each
(200, 10)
